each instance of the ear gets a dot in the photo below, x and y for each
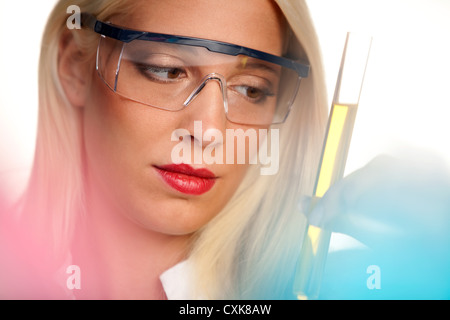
(72, 70)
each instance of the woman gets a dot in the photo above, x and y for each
(105, 193)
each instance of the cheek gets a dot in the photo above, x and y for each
(122, 140)
(124, 130)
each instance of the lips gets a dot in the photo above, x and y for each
(186, 179)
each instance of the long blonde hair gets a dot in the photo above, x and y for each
(239, 253)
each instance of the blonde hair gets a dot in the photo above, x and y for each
(249, 249)
(53, 201)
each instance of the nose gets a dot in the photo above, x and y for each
(207, 103)
(210, 77)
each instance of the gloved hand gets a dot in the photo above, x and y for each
(400, 211)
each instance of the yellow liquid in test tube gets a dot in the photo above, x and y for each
(316, 242)
(342, 118)
(334, 156)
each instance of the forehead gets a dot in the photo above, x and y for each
(256, 24)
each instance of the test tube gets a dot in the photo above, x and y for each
(311, 263)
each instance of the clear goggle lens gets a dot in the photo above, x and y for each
(169, 76)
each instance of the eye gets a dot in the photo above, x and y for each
(162, 74)
(172, 73)
(252, 93)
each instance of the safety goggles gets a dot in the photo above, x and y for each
(168, 72)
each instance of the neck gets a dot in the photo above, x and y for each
(120, 259)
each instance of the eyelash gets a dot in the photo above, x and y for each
(145, 68)
(265, 93)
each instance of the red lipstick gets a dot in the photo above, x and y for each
(184, 178)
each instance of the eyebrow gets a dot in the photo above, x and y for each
(193, 54)
(255, 64)
(162, 47)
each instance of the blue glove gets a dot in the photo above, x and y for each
(399, 211)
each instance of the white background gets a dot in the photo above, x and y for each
(405, 100)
